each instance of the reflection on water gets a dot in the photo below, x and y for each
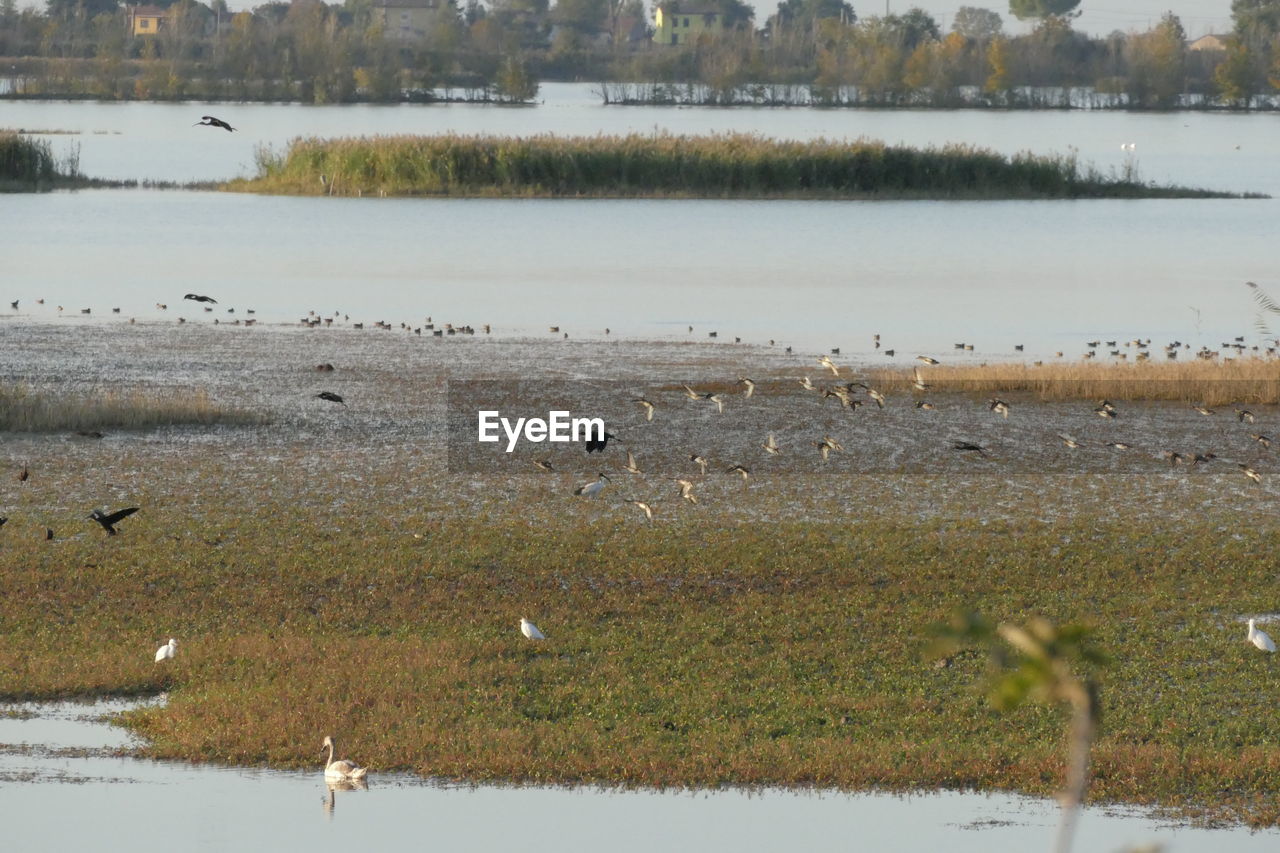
(124, 804)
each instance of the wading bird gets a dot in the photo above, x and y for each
(210, 121)
(340, 769)
(530, 630)
(196, 297)
(331, 397)
(108, 522)
(648, 407)
(590, 490)
(167, 651)
(1260, 639)
(594, 444)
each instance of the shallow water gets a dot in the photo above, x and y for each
(58, 801)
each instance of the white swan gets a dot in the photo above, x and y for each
(167, 651)
(340, 769)
(1260, 638)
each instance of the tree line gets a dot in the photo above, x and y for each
(808, 51)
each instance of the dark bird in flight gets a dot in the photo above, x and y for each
(331, 397)
(210, 121)
(108, 522)
(3, 519)
(195, 297)
(25, 475)
(48, 534)
(14, 303)
(969, 446)
(594, 444)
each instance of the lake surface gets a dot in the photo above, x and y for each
(923, 275)
(106, 803)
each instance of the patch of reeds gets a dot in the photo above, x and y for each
(665, 165)
(29, 165)
(25, 410)
(1209, 382)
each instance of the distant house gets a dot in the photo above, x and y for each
(147, 20)
(675, 24)
(1209, 42)
(405, 19)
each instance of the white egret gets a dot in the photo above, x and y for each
(167, 651)
(530, 630)
(340, 769)
(1260, 639)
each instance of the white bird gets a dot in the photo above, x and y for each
(648, 407)
(631, 466)
(924, 359)
(751, 387)
(167, 651)
(1260, 638)
(771, 445)
(340, 769)
(825, 361)
(590, 490)
(530, 630)
(643, 507)
(686, 490)
(807, 384)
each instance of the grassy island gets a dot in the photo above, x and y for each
(29, 165)
(668, 166)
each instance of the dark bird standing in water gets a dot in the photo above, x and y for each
(196, 297)
(331, 397)
(108, 522)
(210, 121)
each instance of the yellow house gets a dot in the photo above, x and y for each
(147, 20)
(405, 19)
(674, 24)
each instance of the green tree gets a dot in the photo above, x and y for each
(1237, 75)
(513, 82)
(980, 25)
(1256, 21)
(1157, 63)
(804, 14)
(1023, 9)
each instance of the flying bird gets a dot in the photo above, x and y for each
(631, 467)
(1250, 473)
(210, 121)
(25, 475)
(739, 469)
(771, 445)
(167, 651)
(331, 397)
(1244, 416)
(648, 407)
(594, 444)
(700, 461)
(1069, 441)
(825, 361)
(751, 386)
(544, 464)
(686, 490)
(108, 522)
(1264, 440)
(969, 447)
(530, 630)
(644, 507)
(924, 359)
(1000, 407)
(196, 297)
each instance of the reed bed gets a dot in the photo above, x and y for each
(26, 162)
(664, 165)
(1253, 381)
(25, 410)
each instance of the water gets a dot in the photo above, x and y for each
(924, 275)
(126, 804)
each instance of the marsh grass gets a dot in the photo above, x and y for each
(711, 652)
(1210, 382)
(28, 165)
(26, 410)
(663, 165)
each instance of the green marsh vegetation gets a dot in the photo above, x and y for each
(703, 651)
(669, 166)
(29, 165)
